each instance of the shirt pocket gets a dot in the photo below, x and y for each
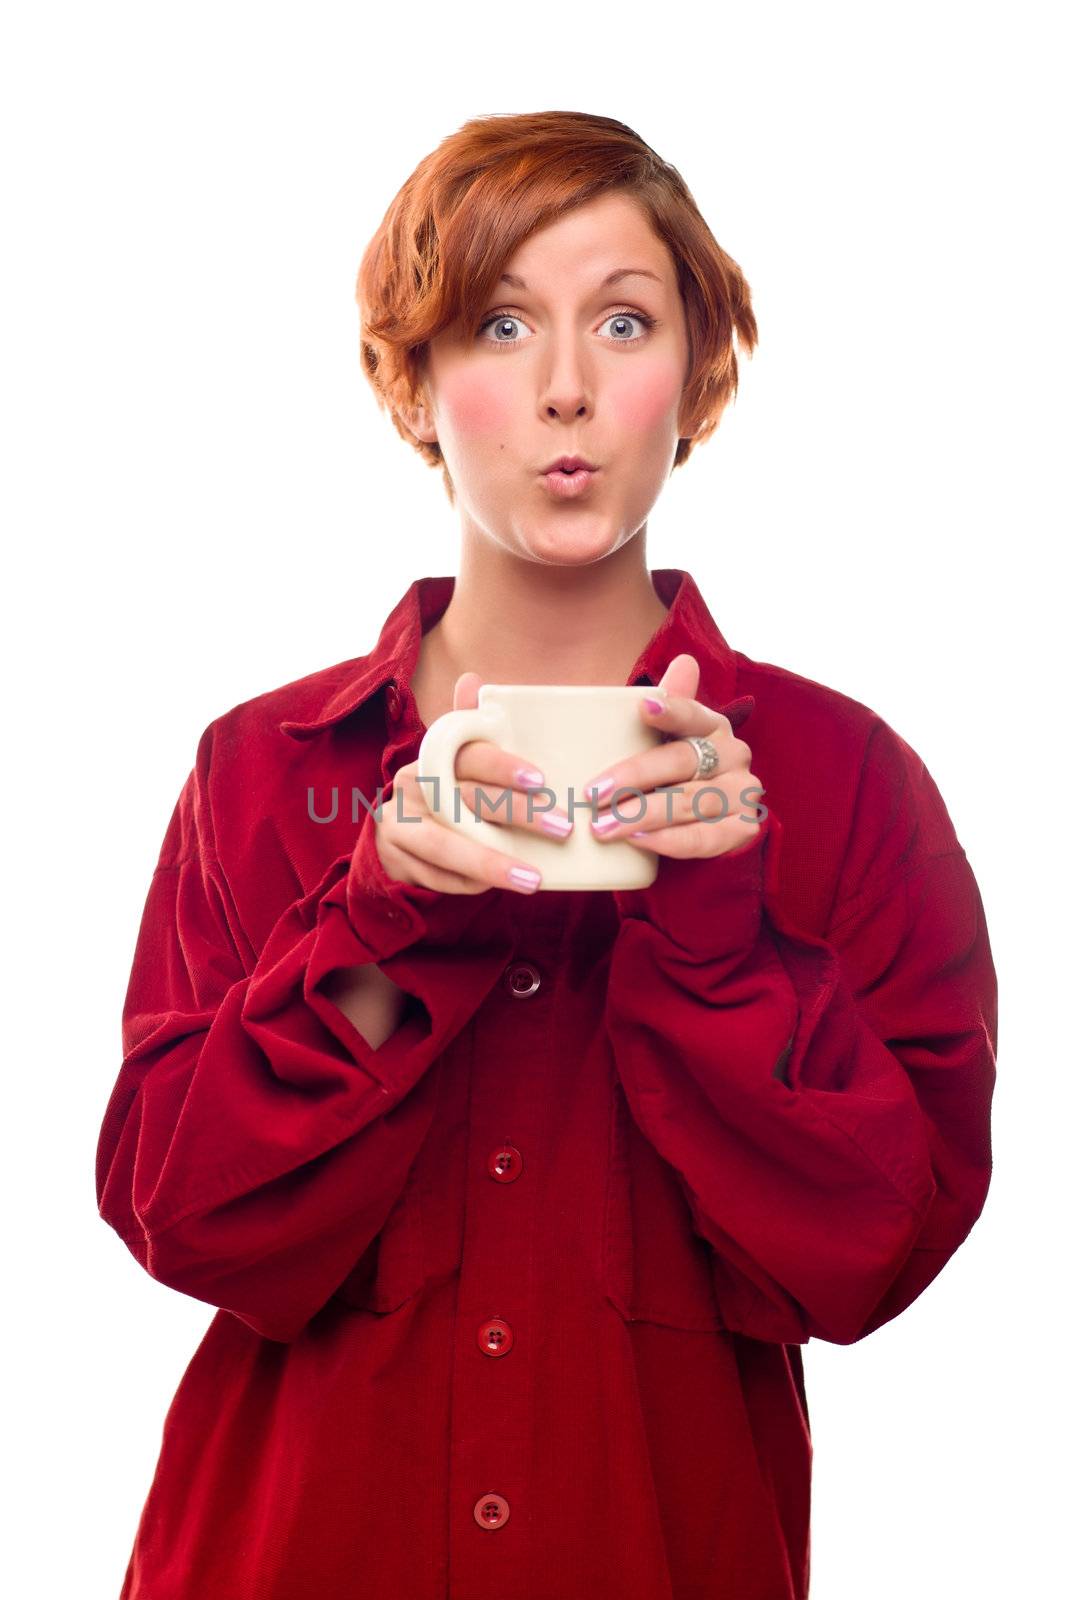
(655, 1266)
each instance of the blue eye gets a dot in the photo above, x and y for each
(629, 316)
(511, 321)
(508, 320)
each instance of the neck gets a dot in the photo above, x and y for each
(513, 620)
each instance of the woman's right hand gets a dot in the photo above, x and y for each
(434, 855)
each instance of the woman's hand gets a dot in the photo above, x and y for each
(424, 850)
(709, 816)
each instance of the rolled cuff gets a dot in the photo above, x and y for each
(388, 916)
(710, 907)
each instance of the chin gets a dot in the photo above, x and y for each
(573, 542)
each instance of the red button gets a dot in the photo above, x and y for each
(495, 1338)
(491, 1511)
(522, 979)
(505, 1164)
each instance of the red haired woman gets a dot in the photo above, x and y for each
(518, 1208)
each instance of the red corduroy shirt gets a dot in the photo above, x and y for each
(513, 1304)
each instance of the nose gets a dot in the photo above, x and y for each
(566, 391)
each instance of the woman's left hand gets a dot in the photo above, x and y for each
(700, 817)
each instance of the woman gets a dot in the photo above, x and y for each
(518, 1207)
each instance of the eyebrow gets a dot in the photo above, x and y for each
(612, 277)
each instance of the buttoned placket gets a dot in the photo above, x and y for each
(497, 1306)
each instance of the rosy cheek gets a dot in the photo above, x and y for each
(643, 405)
(480, 407)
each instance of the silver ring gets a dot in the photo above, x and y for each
(707, 755)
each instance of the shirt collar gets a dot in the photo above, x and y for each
(687, 627)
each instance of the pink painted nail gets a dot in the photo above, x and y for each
(603, 788)
(524, 879)
(606, 824)
(655, 706)
(560, 826)
(530, 778)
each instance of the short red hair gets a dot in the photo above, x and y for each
(469, 205)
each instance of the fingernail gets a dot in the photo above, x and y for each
(600, 789)
(655, 706)
(552, 822)
(525, 879)
(530, 778)
(606, 824)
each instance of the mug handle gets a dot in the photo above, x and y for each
(437, 754)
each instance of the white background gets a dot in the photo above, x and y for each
(204, 502)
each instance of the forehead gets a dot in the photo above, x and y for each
(600, 239)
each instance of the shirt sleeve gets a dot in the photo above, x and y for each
(825, 1101)
(254, 1143)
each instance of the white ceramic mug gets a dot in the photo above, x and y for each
(572, 733)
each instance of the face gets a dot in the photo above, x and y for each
(565, 365)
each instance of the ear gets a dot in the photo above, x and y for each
(419, 420)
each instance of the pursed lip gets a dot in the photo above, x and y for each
(570, 464)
